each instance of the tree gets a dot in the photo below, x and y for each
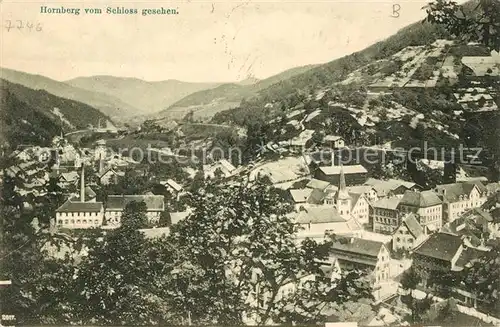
(409, 282)
(134, 216)
(478, 24)
(40, 283)
(481, 278)
(237, 250)
(121, 279)
(445, 282)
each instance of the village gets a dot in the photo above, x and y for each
(302, 178)
(388, 226)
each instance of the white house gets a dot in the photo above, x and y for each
(116, 204)
(461, 197)
(77, 214)
(427, 205)
(354, 253)
(408, 235)
(334, 141)
(222, 167)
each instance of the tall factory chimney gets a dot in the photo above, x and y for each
(82, 184)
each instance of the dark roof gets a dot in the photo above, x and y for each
(119, 202)
(413, 226)
(442, 246)
(492, 202)
(420, 199)
(478, 212)
(357, 245)
(495, 213)
(77, 206)
(354, 199)
(316, 197)
(468, 255)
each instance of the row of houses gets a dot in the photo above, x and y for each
(86, 212)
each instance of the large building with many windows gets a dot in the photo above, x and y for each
(384, 215)
(460, 197)
(428, 207)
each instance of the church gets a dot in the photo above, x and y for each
(339, 214)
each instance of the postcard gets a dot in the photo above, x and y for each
(250, 162)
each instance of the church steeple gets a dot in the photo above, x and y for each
(342, 198)
(342, 193)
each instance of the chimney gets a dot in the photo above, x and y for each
(351, 240)
(101, 164)
(333, 159)
(82, 184)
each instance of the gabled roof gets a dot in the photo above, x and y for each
(478, 212)
(70, 176)
(301, 195)
(411, 222)
(318, 215)
(387, 203)
(119, 202)
(335, 170)
(113, 171)
(77, 206)
(383, 187)
(227, 165)
(318, 184)
(442, 246)
(452, 192)
(357, 245)
(360, 189)
(331, 138)
(354, 199)
(469, 254)
(422, 199)
(175, 217)
(173, 184)
(316, 197)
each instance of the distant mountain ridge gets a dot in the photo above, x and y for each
(29, 116)
(147, 97)
(107, 104)
(208, 102)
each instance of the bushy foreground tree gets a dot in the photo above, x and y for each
(237, 253)
(228, 263)
(477, 21)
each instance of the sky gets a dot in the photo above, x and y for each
(207, 41)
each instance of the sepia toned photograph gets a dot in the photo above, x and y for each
(220, 163)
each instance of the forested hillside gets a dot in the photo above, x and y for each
(34, 116)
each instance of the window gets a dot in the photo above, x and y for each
(398, 239)
(60, 221)
(72, 221)
(84, 221)
(78, 221)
